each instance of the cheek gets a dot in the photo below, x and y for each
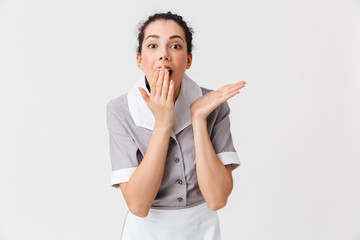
(146, 61)
(147, 57)
(148, 68)
(182, 60)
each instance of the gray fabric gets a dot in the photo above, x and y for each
(128, 144)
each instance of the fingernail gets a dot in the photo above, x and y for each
(162, 67)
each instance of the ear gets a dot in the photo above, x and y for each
(189, 61)
(139, 60)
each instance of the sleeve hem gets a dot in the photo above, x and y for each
(229, 158)
(120, 176)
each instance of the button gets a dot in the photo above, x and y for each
(180, 199)
(177, 160)
(179, 181)
(172, 141)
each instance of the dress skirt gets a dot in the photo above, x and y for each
(198, 222)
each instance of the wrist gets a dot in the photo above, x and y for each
(197, 121)
(197, 116)
(163, 128)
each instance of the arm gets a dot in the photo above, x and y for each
(141, 189)
(217, 189)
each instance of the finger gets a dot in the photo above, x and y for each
(240, 83)
(234, 88)
(229, 95)
(153, 83)
(237, 86)
(237, 83)
(229, 87)
(144, 95)
(165, 87)
(170, 96)
(160, 81)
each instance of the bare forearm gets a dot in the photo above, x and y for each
(213, 177)
(145, 182)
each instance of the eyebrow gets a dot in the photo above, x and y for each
(172, 37)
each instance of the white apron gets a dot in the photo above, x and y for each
(197, 222)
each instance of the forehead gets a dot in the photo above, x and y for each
(164, 28)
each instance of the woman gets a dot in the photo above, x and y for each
(170, 143)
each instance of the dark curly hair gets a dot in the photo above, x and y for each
(166, 16)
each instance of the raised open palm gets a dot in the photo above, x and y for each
(204, 105)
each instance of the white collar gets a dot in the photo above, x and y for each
(142, 115)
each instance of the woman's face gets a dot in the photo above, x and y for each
(164, 43)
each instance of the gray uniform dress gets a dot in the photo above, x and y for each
(130, 123)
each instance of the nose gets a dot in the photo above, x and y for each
(164, 55)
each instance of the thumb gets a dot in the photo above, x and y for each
(144, 95)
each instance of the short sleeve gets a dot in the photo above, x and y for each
(124, 153)
(221, 138)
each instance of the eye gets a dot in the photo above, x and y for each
(151, 45)
(176, 46)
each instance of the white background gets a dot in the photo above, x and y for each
(295, 125)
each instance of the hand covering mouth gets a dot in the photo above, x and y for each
(168, 68)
